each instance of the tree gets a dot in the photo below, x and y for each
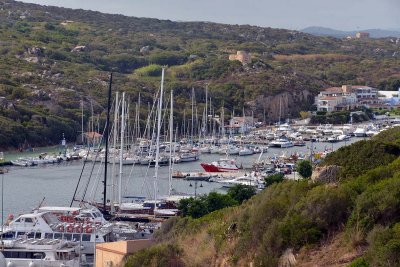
(305, 114)
(197, 208)
(216, 201)
(304, 168)
(241, 192)
(274, 178)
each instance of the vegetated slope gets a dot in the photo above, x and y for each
(355, 221)
(52, 58)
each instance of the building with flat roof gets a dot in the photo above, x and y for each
(115, 253)
(346, 97)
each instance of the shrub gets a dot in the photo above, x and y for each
(304, 168)
(161, 255)
(384, 246)
(274, 178)
(151, 70)
(359, 262)
(241, 192)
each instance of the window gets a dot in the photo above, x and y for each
(48, 235)
(85, 237)
(38, 255)
(31, 235)
(68, 236)
(28, 220)
(9, 235)
(38, 235)
(58, 236)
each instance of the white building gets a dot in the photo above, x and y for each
(336, 98)
(346, 97)
(239, 125)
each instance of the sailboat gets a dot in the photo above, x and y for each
(140, 208)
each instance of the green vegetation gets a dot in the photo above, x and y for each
(274, 178)
(304, 168)
(52, 58)
(198, 207)
(363, 209)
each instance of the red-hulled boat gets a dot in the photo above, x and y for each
(222, 165)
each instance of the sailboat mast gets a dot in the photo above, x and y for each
(115, 129)
(206, 111)
(191, 131)
(121, 151)
(106, 139)
(280, 110)
(157, 166)
(171, 132)
(82, 119)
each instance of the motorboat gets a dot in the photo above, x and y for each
(246, 151)
(299, 143)
(281, 143)
(205, 149)
(188, 156)
(24, 251)
(250, 180)
(222, 165)
(22, 162)
(360, 132)
(46, 225)
(230, 150)
(198, 176)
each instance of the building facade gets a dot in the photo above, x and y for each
(346, 97)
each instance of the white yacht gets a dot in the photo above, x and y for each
(360, 132)
(42, 252)
(246, 151)
(188, 156)
(40, 225)
(243, 180)
(282, 143)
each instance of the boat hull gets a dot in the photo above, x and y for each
(212, 168)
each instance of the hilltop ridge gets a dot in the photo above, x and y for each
(52, 58)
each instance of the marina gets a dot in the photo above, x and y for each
(54, 184)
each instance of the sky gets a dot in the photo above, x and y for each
(288, 14)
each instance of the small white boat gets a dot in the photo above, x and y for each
(199, 176)
(22, 162)
(246, 151)
(360, 132)
(188, 157)
(204, 149)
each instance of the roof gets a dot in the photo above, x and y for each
(93, 135)
(60, 209)
(334, 90)
(330, 98)
(362, 87)
(32, 215)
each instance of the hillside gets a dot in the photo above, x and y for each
(354, 221)
(52, 58)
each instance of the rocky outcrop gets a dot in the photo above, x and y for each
(287, 259)
(326, 174)
(284, 105)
